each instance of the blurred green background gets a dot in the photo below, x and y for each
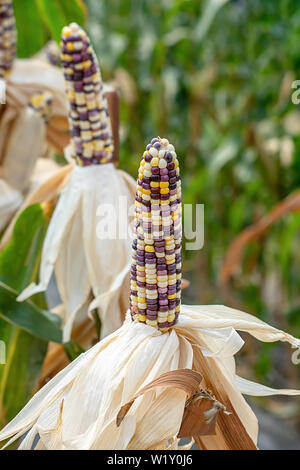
(214, 77)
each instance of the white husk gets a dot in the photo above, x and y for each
(77, 409)
(102, 265)
(24, 145)
(44, 169)
(10, 201)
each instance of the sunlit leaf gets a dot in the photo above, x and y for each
(53, 16)
(74, 11)
(28, 20)
(26, 315)
(19, 262)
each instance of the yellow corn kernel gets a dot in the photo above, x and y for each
(66, 31)
(172, 276)
(172, 296)
(151, 322)
(149, 249)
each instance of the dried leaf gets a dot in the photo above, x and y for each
(231, 433)
(47, 191)
(200, 416)
(24, 145)
(184, 379)
(256, 230)
(56, 359)
(58, 135)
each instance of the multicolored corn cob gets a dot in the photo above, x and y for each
(156, 257)
(8, 37)
(91, 135)
(41, 102)
(52, 53)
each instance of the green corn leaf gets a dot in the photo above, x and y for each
(18, 376)
(38, 20)
(53, 16)
(58, 13)
(24, 348)
(26, 315)
(19, 261)
(73, 349)
(73, 10)
(28, 19)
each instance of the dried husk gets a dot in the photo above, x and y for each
(183, 379)
(10, 201)
(98, 383)
(73, 230)
(46, 191)
(23, 146)
(84, 333)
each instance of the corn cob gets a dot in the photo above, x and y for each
(156, 257)
(41, 102)
(91, 135)
(8, 37)
(52, 53)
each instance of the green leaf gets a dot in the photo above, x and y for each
(19, 261)
(26, 315)
(18, 377)
(53, 16)
(209, 12)
(19, 264)
(73, 349)
(30, 28)
(74, 11)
